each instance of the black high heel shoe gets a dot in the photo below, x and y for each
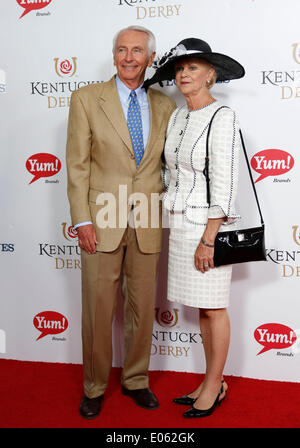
(222, 391)
(185, 400)
(189, 401)
(194, 413)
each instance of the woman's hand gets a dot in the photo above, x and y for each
(204, 255)
(204, 258)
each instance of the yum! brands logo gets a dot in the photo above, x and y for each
(43, 165)
(65, 67)
(275, 336)
(31, 5)
(50, 322)
(272, 162)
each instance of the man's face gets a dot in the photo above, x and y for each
(131, 57)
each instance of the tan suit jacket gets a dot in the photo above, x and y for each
(100, 158)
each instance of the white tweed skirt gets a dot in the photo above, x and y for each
(187, 285)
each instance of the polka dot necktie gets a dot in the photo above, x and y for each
(135, 127)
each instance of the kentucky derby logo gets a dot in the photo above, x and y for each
(66, 67)
(69, 232)
(58, 91)
(296, 235)
(166, 318)
(156, 10)
(287, 80)
(296, 52)
(30, 5)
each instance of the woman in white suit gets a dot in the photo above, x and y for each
(194, 222)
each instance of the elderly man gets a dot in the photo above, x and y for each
(116, 135)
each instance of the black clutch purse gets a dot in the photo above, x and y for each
(237, 246)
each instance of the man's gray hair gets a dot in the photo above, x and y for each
(151, 37)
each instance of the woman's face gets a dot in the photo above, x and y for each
(192, 75)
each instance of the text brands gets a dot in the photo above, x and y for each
(31, 5)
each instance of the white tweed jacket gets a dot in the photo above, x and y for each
(185, 150)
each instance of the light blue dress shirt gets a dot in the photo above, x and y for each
(142, 98)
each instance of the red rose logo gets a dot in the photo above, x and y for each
(65, 67)
(68, 231)
(167, 318)
(72, 232)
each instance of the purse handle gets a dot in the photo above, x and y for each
(206, 168)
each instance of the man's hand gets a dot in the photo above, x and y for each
(87, 238)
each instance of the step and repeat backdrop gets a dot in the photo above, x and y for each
(50, 48)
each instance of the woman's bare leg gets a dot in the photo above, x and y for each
(215, 331)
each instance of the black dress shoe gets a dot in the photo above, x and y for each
(194, 413)
(189, 401)
(185, 400)
(90, 407)
(142, 397)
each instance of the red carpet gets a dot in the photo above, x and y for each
(47, 395)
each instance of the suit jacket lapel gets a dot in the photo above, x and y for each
(110, 103)
(155, 124)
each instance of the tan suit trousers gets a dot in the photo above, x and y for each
(101, 275)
